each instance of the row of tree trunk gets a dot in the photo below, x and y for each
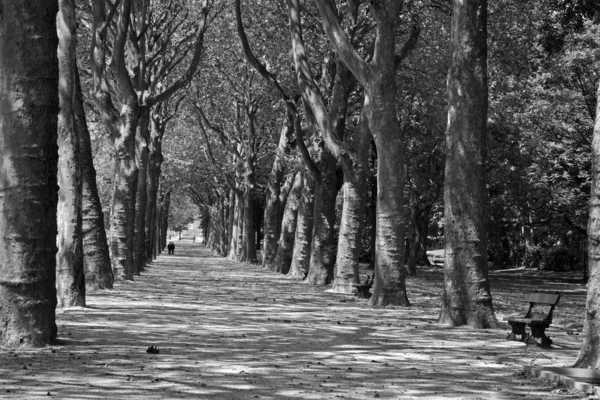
(54, 245)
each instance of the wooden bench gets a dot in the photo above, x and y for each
(536, 320)
(363, 290)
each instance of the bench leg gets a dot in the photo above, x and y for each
(539, 331)
(518, 328)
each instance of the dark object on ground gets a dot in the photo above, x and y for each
(537, 321)
(254, 261)
(153, 350)
(363, 289)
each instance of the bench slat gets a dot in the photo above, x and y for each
(543, 298)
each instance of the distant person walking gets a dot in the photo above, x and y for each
(171, 248)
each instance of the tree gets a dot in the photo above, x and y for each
(141, 80)
(589, 355)
(70, 282)
(29, 154)
(378, 78)
(466, 298)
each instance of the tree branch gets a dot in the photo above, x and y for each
(189, 73)
(340, 41)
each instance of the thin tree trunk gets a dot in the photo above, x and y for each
(466, 299)
(142, 137)
(373, 211)
(230, 220)
(589, 355)
(96, 256)
(249, 229)
(285, 248)
(70, 283)
(151, 194)
(236, 232)
(28, 135)
(164, 220)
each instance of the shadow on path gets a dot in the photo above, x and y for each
(228, 330)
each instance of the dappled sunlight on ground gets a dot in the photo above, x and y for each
(227, 330)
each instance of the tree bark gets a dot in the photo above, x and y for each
(272, 215)
(236, 232)
(379, 82)
(164, 220)
(304, 226)
(28, 177)
(322, 248)
(589, 355)
(353, 213)
(142, 137)
(466, 299)
(70, 283)
(96, 256)
(152, 178)
(285, 249)
(122, 207)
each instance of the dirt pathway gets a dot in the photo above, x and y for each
(227, 330)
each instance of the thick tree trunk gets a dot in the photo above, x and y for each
(353, 213)
(28, 197)
(122, 208)
(272, 215)
(589, 355)
(96, 256)
(142, 137)
(322, 249)
(466, 299)
(285, 249)
(390, 274)
(304, 227)
(70, 283)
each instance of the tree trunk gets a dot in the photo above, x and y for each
(589, 355)
(236, 231)
(28, 135)
(390, 274)
(151, 196)
(96, 256)
(249, 231)
(230, 220)
(70, 283)
(466, 299)
(353, 213)
(164, 220)
(322, 249)
(304, 227)
(373, 212)
(223, 220)
(122, 208)
(285, 249)
(418, 248)
(142, 137)
(272, 204)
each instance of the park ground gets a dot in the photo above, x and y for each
(227, 330)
